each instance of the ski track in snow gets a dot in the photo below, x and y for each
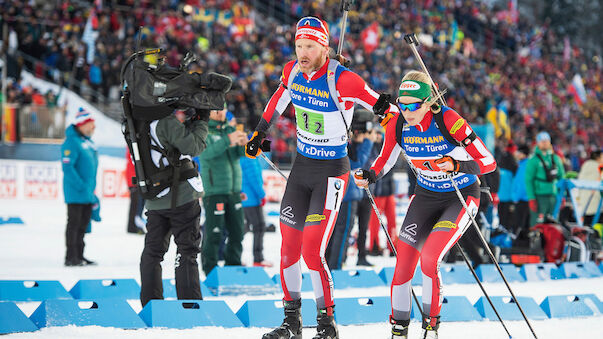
(35, 251)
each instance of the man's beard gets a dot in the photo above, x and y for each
(313, 65)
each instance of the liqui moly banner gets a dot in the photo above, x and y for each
(43, 180)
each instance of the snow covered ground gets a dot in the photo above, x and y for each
(35, 251)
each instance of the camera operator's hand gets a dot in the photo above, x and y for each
(200, 114)
(237, 138)
(253, 147)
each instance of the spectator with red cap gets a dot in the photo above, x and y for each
(80, 162)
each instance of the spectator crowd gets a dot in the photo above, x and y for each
(485, 60)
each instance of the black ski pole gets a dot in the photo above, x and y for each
(411, 39)
(489, 251)
(389, 239)
(273, 166)
(459, 248)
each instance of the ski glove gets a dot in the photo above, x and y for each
(381, 108)
(257, 145)
(446, 159)
(362, 178)
(345, 62)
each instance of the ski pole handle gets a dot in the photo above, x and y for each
(411, 39)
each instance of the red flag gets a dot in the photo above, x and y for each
(93, 19)
(370, 37)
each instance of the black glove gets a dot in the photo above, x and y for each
(380, 108)
(253, 148)
(361, 174)
(455, 163)
(345, 62)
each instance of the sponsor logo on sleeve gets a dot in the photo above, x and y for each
(457, 125)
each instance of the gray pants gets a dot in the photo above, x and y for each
(254, 217)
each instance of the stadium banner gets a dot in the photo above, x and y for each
(43, 180)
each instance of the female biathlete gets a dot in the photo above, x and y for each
(436, 218)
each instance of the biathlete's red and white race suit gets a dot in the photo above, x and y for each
(320, 173)
(435, 218)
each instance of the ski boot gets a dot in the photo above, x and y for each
(291, 328)
(430, 327)
(399, 328)
(326, 327)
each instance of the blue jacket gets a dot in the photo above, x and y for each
(95, 74)
(359, 154)
(519, 192)
(253, 183)
(80, 162)
(505, 190)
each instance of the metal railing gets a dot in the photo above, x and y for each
(41, 122)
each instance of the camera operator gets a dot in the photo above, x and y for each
(182, 221)
(359, 150)
(164, 141)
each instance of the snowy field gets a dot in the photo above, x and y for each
(35, 251)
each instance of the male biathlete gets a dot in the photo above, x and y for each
(323, 93)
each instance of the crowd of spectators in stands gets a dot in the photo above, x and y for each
(482, 59)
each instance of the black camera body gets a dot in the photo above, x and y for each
(155, 91)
